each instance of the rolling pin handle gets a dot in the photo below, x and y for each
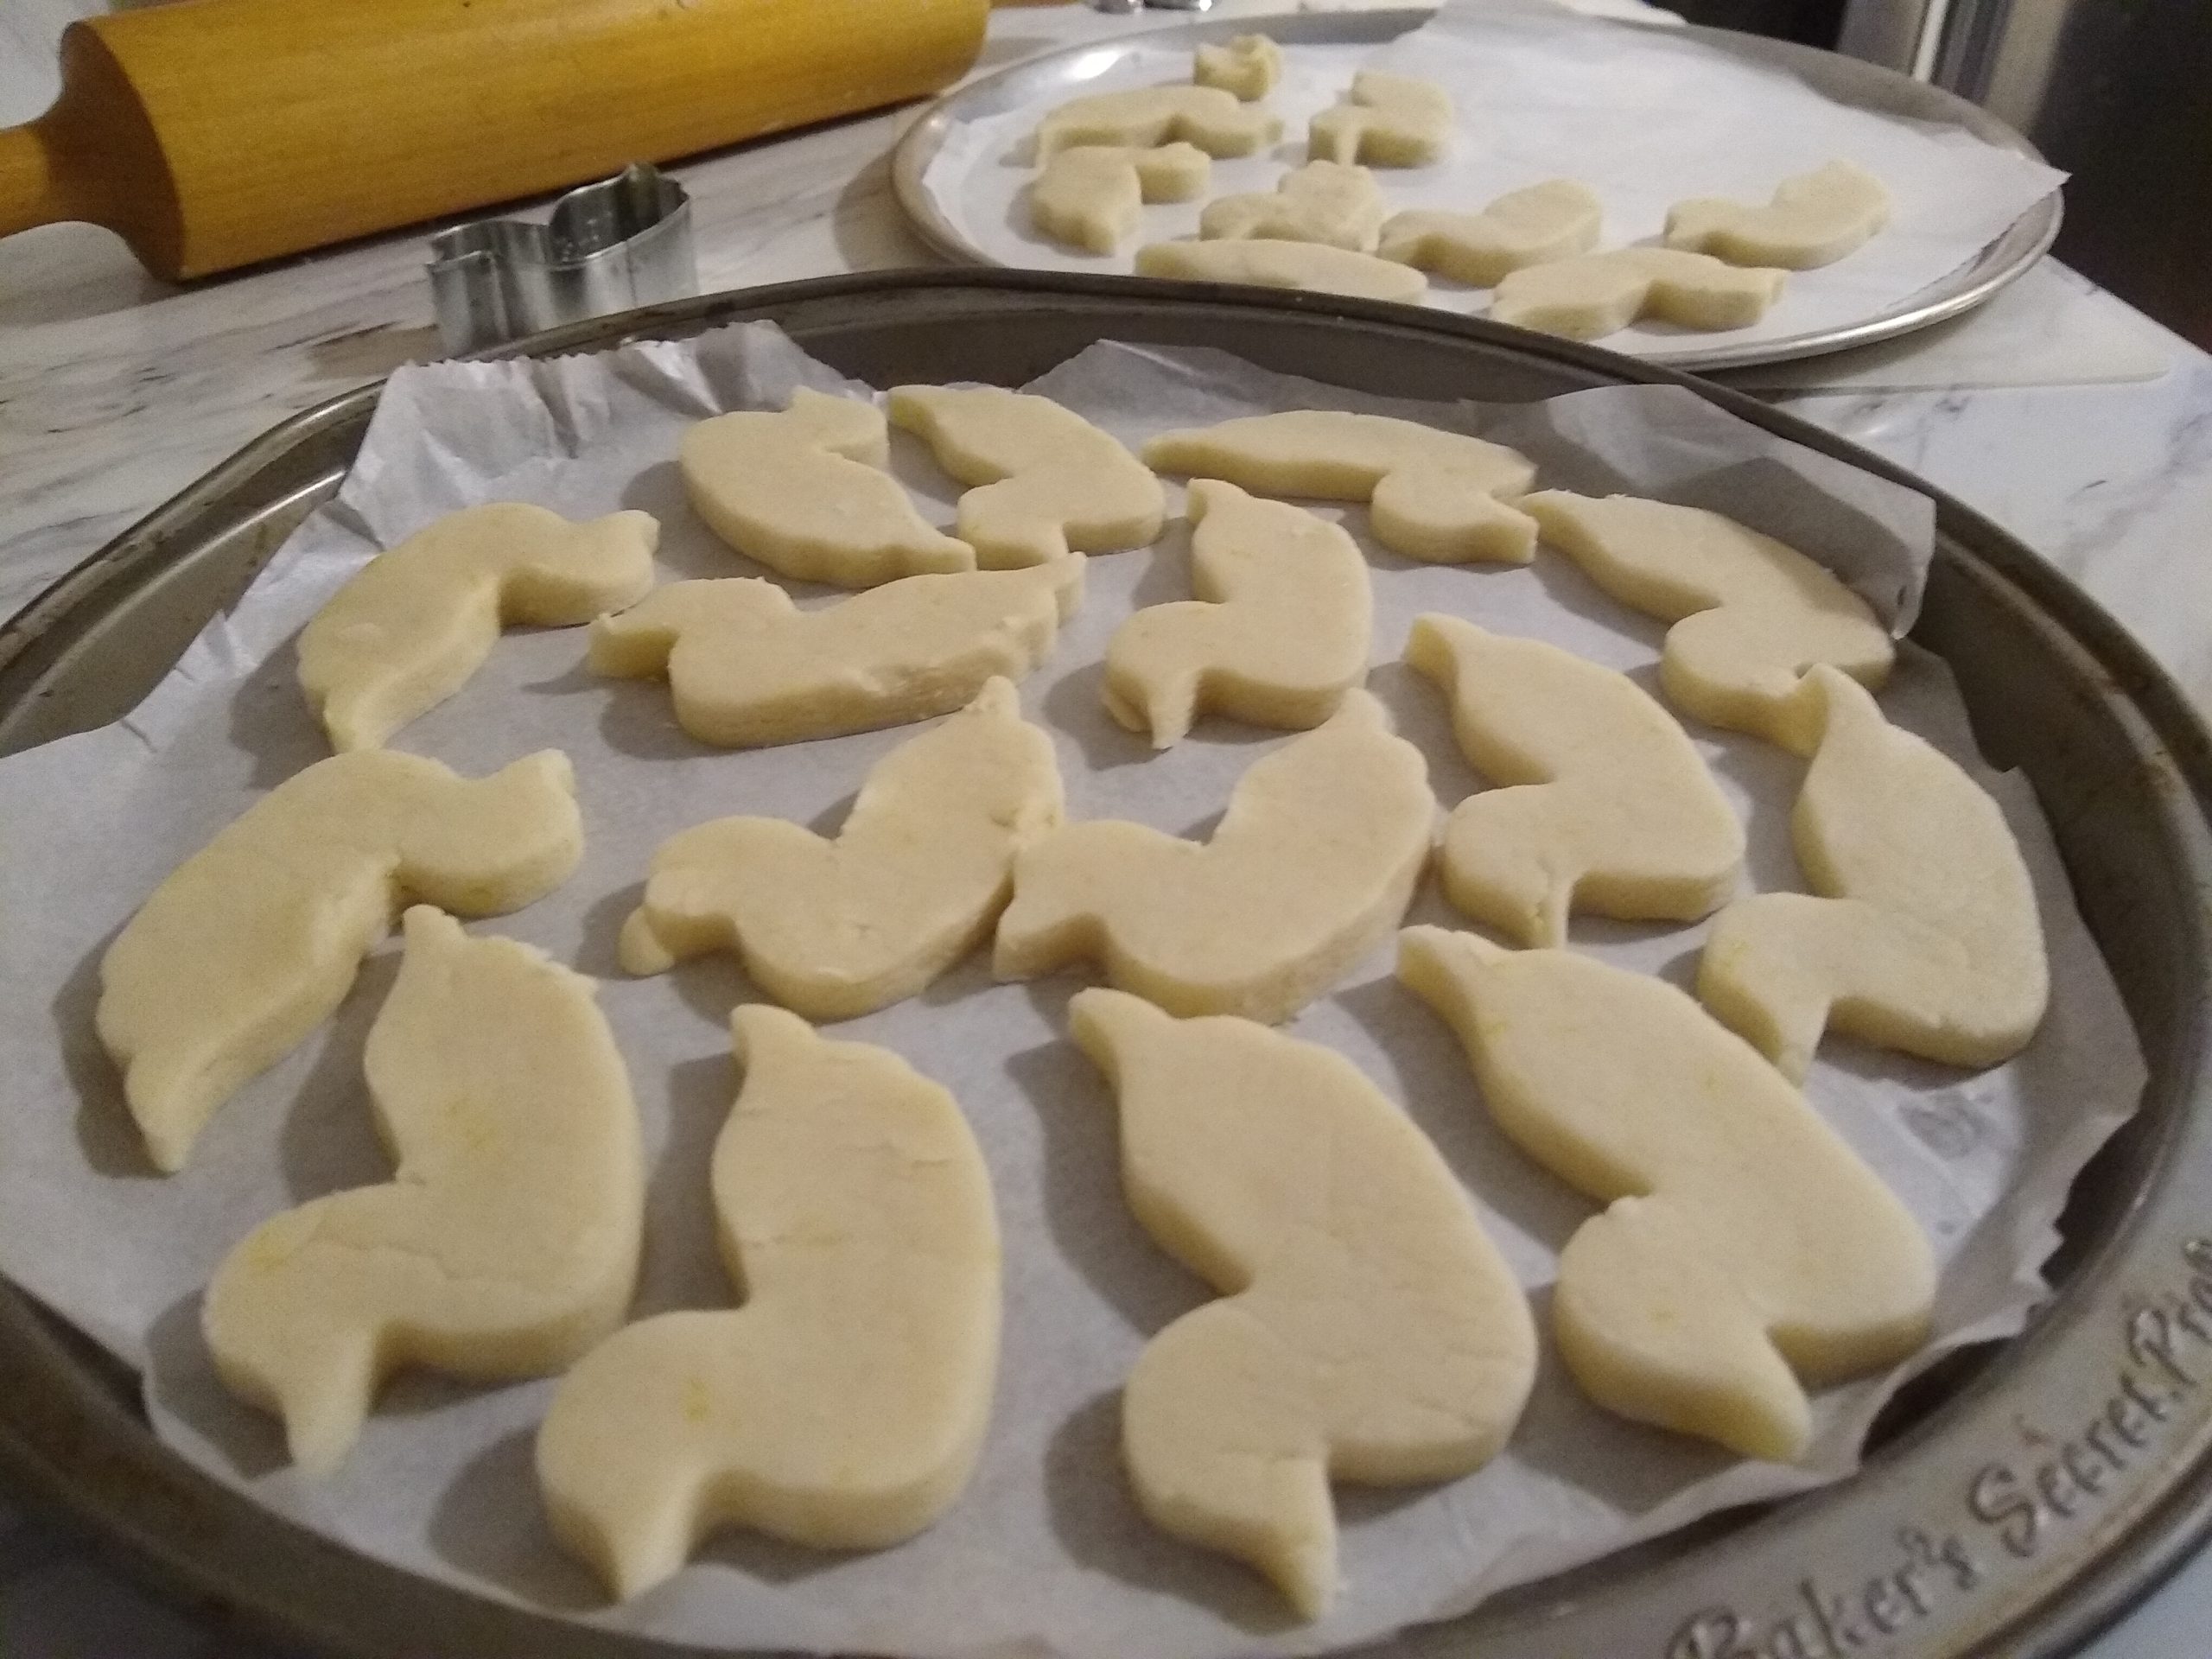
(32, 191)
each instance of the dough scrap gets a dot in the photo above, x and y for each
(1815, 219)
(252, 940)
(1309, 267)
(1314, 863)
(1279, 631)
(1368, 1330)
(1928, 938)
(1556, 220)
(1385, 120)
(1092, 196)
(1750, 614)
(1322, 201)
(1248, 66)
(843, 1404)
(805, 494)
(506, 1241)
(833, 928)
(1746, 1252)
(1599, 294)
(1043, 482)
(1605, 804)
(414, 623)
(1149, 116)
(748, 668)
(1433, 495)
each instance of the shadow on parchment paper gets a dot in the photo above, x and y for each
(490, 1524)
(599, 946)
(1566, 585)
(105, 1134)
(687, 550)
(1420, 716)
(329, 1140)
(932, 492)
(1076, 702)
(271, 722)
(682, 1265)
(1772, 777)
(181, 1379)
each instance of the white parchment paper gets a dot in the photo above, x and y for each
(1645, 116)
(1044, 1554)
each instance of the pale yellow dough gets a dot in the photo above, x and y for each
(1386, 120)
(910, 885)
(1311, 866)
(411, 627)
(1043, 482)
(747, 667)
(1556, 220)
(1322, 201)
(1927, 939)
(1279, 631)
(1092, 196)
(1308, 266)
(1594, 294)
(256, 938)
(805, 492)
(1151, 115)
(1247, 64)
(1604, 805)
(1369, 1331)
(1815, 219)
(505, 1243)
(1750, 614)
(1746, 1252)
(843, 1406)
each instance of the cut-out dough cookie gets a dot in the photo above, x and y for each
(1605, 804)
(1311, 866)
(843, 1404)
(407, 631)
(1092, 196)
(1815, 219)
(1308, 266)
(253, 940)
(1151, 115)
(1248, 66)
(805, 492)
(1599, 294)
(505, 1243)
(1433, 495)
(1927, 939)
(1385, 120)
(1322, 201)
(747, 667)
(1557, 220)
(1746, 1252)
(1368, 1330)
(911, 884)
(1279, 633)
(1043, 482)
(1750, 614)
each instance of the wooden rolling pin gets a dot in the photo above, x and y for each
(212, 133)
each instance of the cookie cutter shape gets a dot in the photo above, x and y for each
(1092, 196)
(1599, 294)
(1307, 267)
(1815, 219)
(1385, 120)
(1327, 202)
(1556, 220)
(1147, 117)
(1248, 66)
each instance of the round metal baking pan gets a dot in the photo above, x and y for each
(2016, 1499)
(1058, 75)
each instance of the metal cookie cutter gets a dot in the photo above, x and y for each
(622, 242)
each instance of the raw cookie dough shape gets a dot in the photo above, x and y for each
(1815, 219)
(1149, 116)
(747, 667)
(254, 939)
(1594, 294)
(1314, 863)
(1385, 120)
(1324, 202)
(804, 493)
(843, 1404)
(1043, 482)
(1309, 267)
(1279, 633)
(1092, 197)
(1433, 495)
(1605, 806)
(913, 882)
(1556, 220)
(1368, 1330)
(1747, 1252)
(506, 1242)
(1750, 614)
(1927, 939)
(413, 624)
(1248, 66)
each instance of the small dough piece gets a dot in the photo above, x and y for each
(505, 1243)
(1151, 115)
(1605, 806)
(1385, 120)
(1248, 66)
(1927, 939)
(805, 492)
(413, 624)
(1599, 293)
(1433, 495)
(843, 1406)
(1044, 482)
(1556, 220)
(748, 668)
(1311, 866)
(1279, 631)
(1750, 614)
(1815, 219)
(911, 883)
(1746, 1252)
(253, 940)
(1092, 196)
(1308, 267)
(1368, 1330)
(1322, 201)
